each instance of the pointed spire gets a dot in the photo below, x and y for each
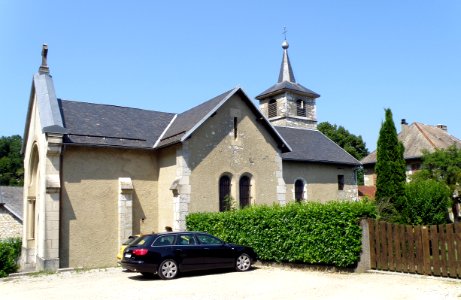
(286, 72)
(44, 66)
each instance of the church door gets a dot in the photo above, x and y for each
(244, 188)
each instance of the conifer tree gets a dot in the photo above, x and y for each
(390, 166)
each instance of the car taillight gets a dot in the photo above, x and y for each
(140, 252)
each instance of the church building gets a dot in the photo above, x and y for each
(96, 174)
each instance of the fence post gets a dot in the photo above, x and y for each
(364, 262)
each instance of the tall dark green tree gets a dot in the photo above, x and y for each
(390, 165)
(11, 163)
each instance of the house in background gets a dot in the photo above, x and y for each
(11, 211)
(96, 174)
(415, 137)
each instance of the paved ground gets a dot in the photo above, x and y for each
(263, 282)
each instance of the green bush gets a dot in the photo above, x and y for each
(426, 203)
(10, 250)
(312, 233)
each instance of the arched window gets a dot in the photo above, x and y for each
(224, 193)
(272, 108)
(299, 190)
(300, 108)
(244, 191)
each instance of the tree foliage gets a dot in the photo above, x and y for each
(11, 163)
(427, 203)
(442, 165)
(353, 144)
(390, 165)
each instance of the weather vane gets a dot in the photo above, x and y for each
(285, 32)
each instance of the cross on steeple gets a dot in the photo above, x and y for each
(44, 66)
(284, 32)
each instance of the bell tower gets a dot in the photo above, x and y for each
(288, 103)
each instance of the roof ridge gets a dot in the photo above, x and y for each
(419, 127)
(112, 105)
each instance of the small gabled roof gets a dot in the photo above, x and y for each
(187, 122)
(11, 199)
(313, 146)
(110, 125)
(418, 137)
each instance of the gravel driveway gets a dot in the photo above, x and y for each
(263, 282)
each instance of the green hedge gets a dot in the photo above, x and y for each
(314, 233)
(10, 250)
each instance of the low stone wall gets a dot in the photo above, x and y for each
(9, 225)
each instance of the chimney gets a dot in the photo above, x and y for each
(403, 125)
(443, 127)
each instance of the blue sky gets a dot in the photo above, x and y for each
(360, 56)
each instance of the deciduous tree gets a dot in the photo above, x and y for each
(11, 164)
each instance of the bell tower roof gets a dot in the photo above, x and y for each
(286, 80)
(286, 72)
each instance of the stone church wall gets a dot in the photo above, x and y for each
(215, 151)
(321, 181)
(89, 203)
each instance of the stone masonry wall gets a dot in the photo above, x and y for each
(9, 225)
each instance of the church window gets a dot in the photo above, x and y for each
(299, 190)
(300, 108)
(340, 182)
(244, 191)
(224, 193)
(272, 108)
(235, 127)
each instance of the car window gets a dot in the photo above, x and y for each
(164, 240)
(208, 239)
(141, 240)
(130, 239)
(185, 239)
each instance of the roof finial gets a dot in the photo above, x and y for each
(285, 43)
(44, 66)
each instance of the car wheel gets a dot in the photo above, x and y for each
(168, 269)
(243, 262)
(147, 274)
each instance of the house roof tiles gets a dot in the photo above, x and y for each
(418, 137)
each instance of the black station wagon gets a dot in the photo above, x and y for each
(167, 254)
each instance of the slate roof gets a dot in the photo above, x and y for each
(418, 137)
(109, 125)
(313, 146)
(188, 119)
(11, 199)
(280, 87)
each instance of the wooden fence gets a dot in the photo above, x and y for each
(428, 250)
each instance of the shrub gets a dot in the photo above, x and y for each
(312, 233)
(427, 203)
(10, 250)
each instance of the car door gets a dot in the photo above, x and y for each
(187, 252)
(217, 254)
